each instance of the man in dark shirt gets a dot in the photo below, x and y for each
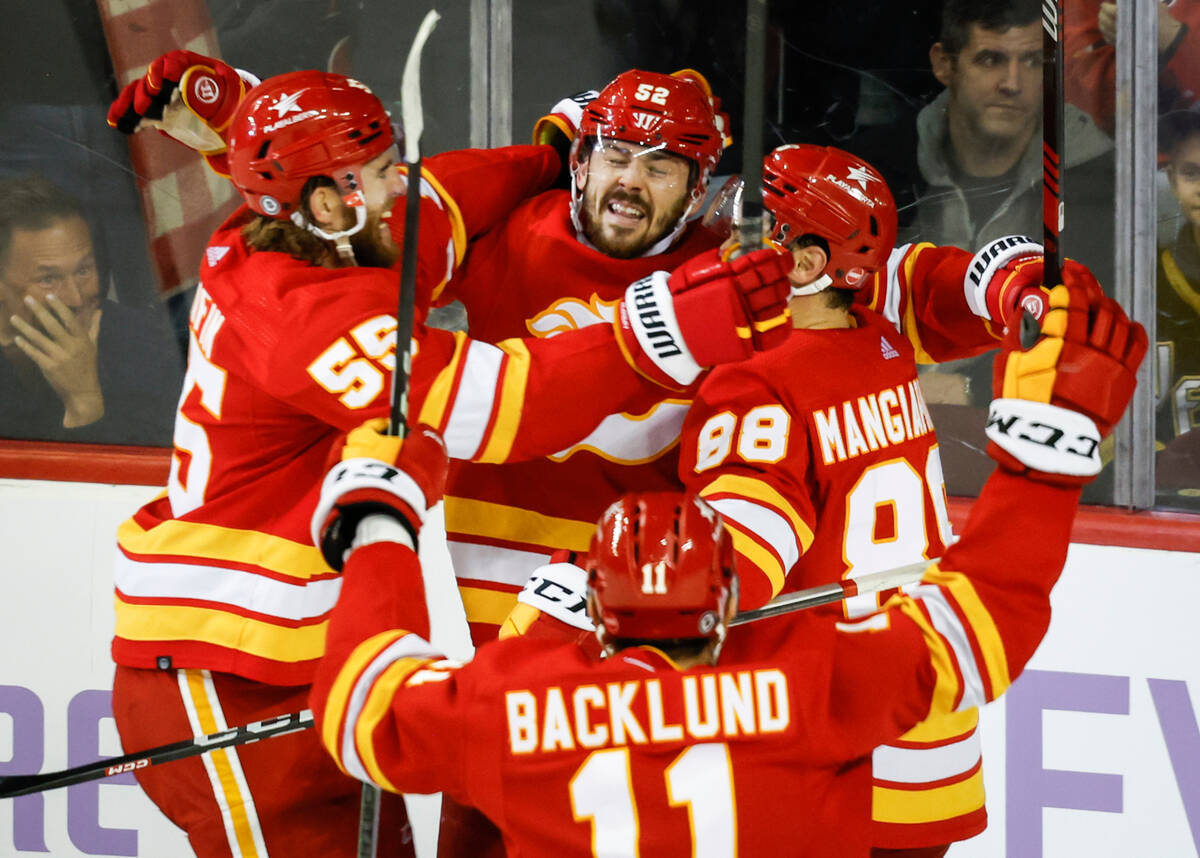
(73, 366)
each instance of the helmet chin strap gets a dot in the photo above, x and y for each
(819, 285)
(658, 247)
(341, 239)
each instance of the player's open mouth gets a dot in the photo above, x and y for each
(625, 210)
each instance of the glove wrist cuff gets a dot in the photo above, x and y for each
(354, 475)
(987, 264)
(1045, 438)
(647, 317)
(381, 527)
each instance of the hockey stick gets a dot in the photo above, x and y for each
(825, 594)
(414, 123)
(750, 219)
(1053, 145)
(15, 785)
(413, 118)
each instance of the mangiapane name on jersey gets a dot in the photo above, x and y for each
(871, 422)
(724, 704)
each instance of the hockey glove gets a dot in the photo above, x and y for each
(560, 126)
(1056, 401)
(705, 312)
(553, 603)
(187, 96)
(378, 473)
(1005, 279)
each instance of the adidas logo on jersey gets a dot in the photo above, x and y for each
(887, 349)
(213, 255)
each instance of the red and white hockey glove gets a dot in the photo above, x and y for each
(1057, 400)
(1005, 278)
(379, 491)
(705, 312)
(187, 96)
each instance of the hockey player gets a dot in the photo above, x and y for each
(641, 157)
(822, 474)
(222, 601)
(672, 745)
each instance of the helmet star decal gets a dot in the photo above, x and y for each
(286, 104)
(861, 175)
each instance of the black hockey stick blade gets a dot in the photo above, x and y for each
(1053, 143)
(15, 785)
(750, 221)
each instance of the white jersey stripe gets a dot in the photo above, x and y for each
(246, 590)
(243, 831)
(409, 646)
(764, 523)
(950, 626)
(493, 563)
(891, 300)
(926, 765)
(474, 400)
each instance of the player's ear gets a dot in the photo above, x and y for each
(325, 206)
(581, 172)
(942, 63)
(810, 264)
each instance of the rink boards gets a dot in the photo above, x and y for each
(1094, 751)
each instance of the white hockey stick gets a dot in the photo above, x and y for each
(873, 582)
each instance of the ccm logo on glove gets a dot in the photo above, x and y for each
(1046, 437)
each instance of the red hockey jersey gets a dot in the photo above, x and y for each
(220, 572)
(759, 755)
(822, 459)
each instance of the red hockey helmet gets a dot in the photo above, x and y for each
(299, 125)
(660, 566)
(675, 111)
(824, 191)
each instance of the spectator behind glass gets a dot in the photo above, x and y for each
(73, 366)
(968, 170)
(1090, 39)
(1177, 350)
(58, 82)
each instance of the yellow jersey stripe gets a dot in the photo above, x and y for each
(433, 409)
(764, 493)
(944, 726)
(375, 709)
(910, 315)
(482, 605)
(987, 636)
(911, 806)
(458, 228)
(946, 688)
(176, 538)
(233, 799)
(160, 622)
(512, 400)
(765, 560)
(498, 521)
(518, 621)
(343, 686)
